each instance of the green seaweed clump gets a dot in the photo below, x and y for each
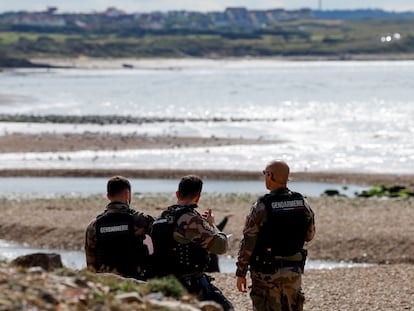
(168, 285)
(381, 190)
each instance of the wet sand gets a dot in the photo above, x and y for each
(49, 142)
(101, 141)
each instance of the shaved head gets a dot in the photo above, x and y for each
(280, 171)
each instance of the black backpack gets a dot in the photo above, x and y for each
(163, 260)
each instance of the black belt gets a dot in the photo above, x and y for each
(274, 265)
(286, 263)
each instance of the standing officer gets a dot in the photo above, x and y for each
(183, 238)
(115, 239)
(276, 230)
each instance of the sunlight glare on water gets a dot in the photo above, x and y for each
(324, 116)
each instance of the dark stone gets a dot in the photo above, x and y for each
(8, 62)
(331, 192)
(48, 262)
(48, 297)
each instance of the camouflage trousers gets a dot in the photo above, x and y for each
(280, 291)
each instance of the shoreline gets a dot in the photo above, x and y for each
(128, 63)
(363, 179)
(167, 62)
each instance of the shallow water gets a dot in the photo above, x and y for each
(326, 116)
(75, 186)
(76, 259)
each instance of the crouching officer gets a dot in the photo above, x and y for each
(276, 229)
(116, 241)
(182, 240)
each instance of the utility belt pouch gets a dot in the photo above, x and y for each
(263, 264)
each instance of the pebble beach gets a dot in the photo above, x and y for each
(373, 231)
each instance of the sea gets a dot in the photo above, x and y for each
(319, 116)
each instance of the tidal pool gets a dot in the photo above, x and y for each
(57, 186)
(76, 259)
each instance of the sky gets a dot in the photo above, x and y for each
(200, 5)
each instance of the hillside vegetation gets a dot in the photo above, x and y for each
(326, 38)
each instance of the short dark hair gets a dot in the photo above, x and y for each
(117, 184)
(190, 186)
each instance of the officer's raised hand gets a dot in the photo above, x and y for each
(209, 216)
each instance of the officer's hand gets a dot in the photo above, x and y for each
(209, 216)
(241, 284)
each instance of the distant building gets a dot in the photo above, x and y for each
(113, 12)
(278, 15)
(260, 19)
(155, 20)
(38, 19)
(219, 19)
(232, 18)
(239, 17)
(51, 10)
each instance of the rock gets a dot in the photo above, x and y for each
(48, 262)
(129, 297)
(6, 304)
(13, 62)
(36, 270)
(155, 296)
(156, 305)
(48, 297)
(119, 278)
(209, 306)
